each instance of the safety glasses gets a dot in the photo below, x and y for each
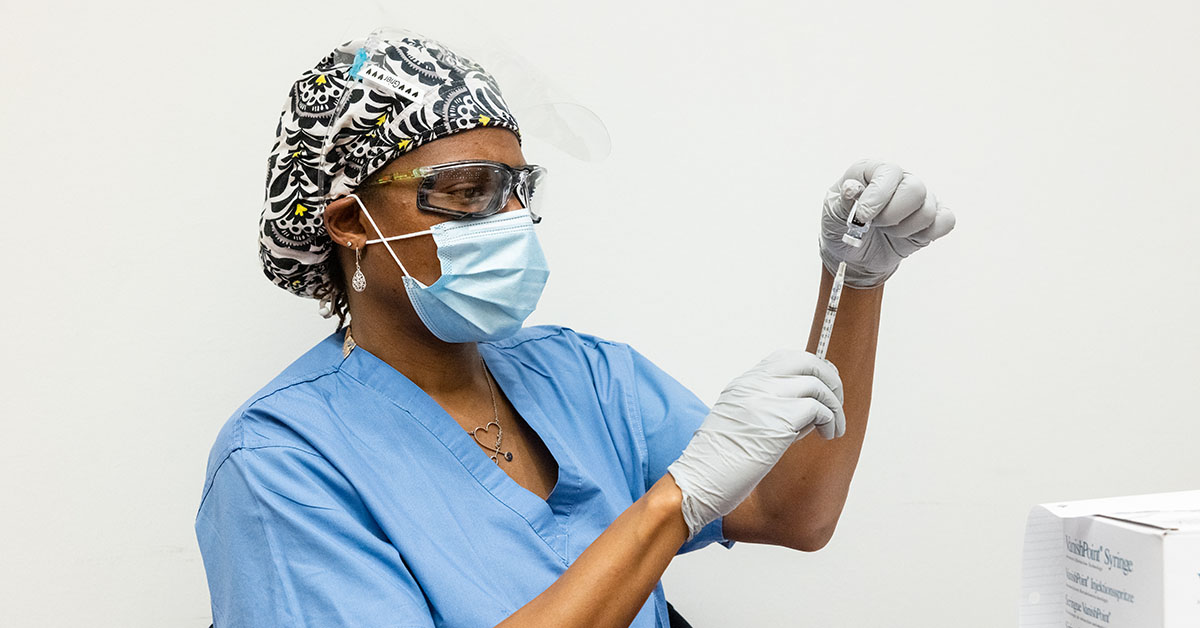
(474, 188)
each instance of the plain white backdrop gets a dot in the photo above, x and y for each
(1044, 351)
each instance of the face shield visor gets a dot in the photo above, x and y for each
(405, 89)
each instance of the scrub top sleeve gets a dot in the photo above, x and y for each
(670, 415)
(286, 541)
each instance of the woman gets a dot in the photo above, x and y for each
(433, 463)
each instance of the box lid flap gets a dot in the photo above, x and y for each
(1169, 520)
(1173, 512)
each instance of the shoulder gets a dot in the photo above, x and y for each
(265, 418)
(551, 348)
(555, 338)
(557, 351)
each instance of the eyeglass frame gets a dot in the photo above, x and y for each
(517, 180)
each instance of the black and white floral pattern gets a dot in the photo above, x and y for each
(335, 131)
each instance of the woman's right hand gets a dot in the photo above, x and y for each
(757, 417)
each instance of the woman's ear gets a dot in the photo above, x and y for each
(343, 224)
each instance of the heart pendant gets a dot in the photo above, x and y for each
(486, 429)
(496, 448)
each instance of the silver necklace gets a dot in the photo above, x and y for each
(495, 421)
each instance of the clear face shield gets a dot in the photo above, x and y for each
(465, 188)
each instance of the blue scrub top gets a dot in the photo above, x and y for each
(342, 495)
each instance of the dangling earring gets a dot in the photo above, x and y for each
(359, 281)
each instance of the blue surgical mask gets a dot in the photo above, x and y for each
(493, 273)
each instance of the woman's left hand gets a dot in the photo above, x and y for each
(903, 216)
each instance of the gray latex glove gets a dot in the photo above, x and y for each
(903, 216)
(756, 418)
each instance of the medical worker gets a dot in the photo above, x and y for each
(434, 463)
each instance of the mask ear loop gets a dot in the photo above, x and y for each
(385, 240)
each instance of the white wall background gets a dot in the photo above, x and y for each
(1044, 351)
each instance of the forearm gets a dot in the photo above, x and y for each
(611, 580)
(803, 495)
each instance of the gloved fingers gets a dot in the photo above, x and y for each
(881, 180)
(943, 223)
(828, 373)
(818, 416)
(829, 421)
(837, 205)
(828, 394)
(835, 201)
(799, 376)
(835, 428)
(907, 200)
(859, 169)
(918, 220)
(808, 387)
(796, 362)
(826, 425)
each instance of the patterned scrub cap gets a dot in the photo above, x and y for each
(366, 103)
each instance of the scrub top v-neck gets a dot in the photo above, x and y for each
(343, 494)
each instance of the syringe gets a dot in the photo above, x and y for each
(831, 310)
(855, 231)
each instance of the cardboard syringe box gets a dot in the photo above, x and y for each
(1120, 562)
